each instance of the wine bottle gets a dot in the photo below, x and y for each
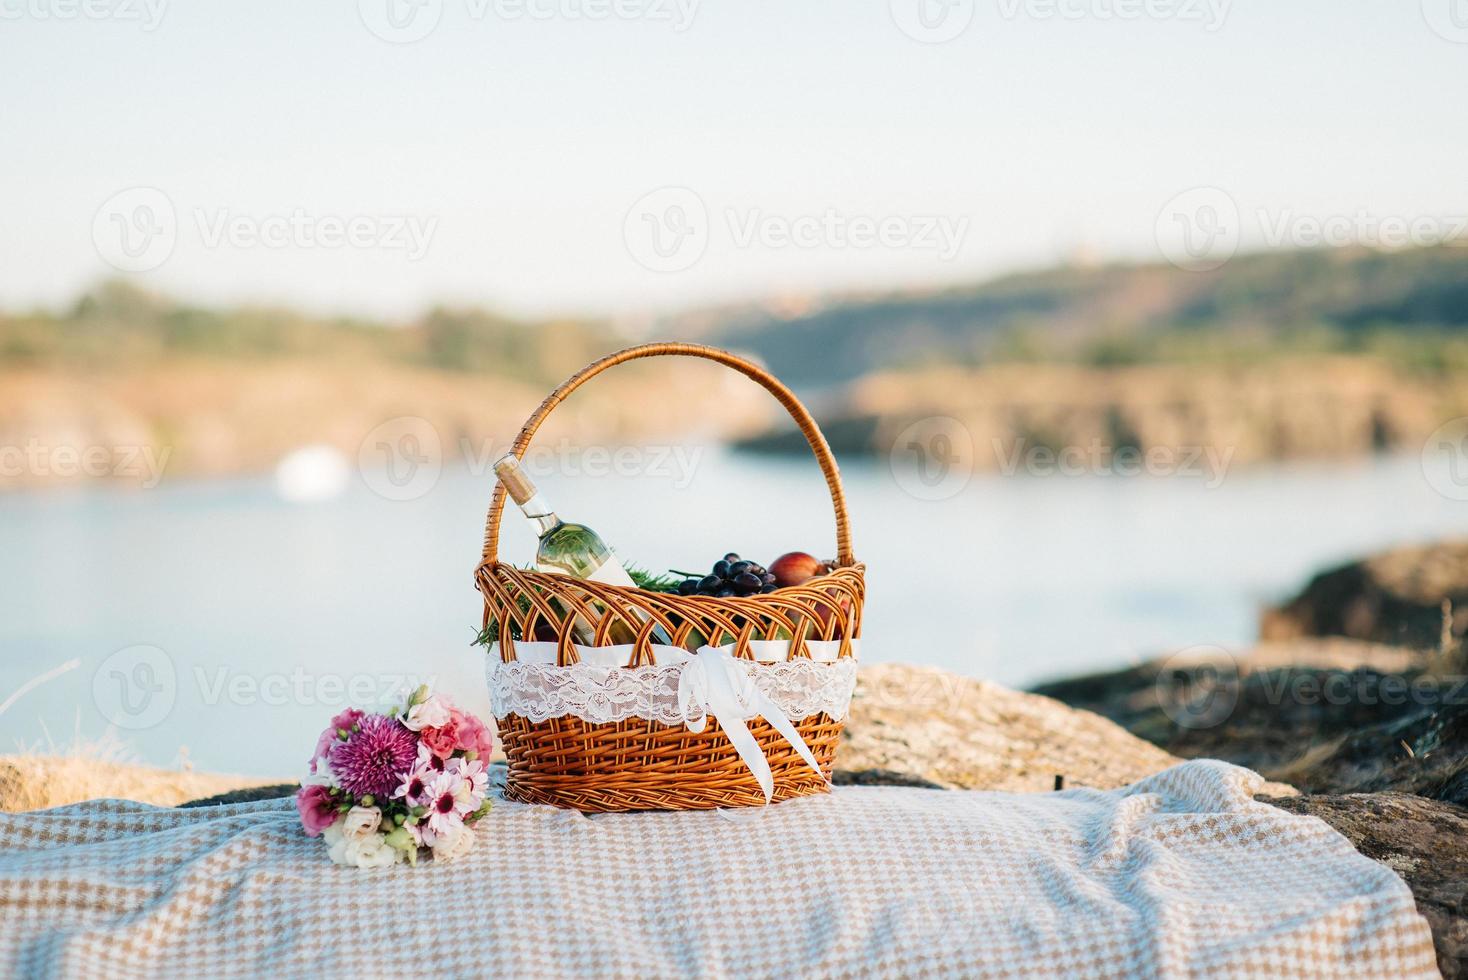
(570, 549)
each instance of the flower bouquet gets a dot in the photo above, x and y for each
(382, 787)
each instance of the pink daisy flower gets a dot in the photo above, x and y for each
(446, 803)
(427, 758)
(476, 781)
(415, 784)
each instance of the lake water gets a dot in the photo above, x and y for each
(256, 617)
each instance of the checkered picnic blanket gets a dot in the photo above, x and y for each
(1180, 874)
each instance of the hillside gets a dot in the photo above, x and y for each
(1282, 355)
(119, 326)
(153, 385)
(1196, 418)
(1409, 306)
(1275, 355)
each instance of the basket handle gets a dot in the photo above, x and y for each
(782, 394)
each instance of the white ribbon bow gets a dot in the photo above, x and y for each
(714, 683)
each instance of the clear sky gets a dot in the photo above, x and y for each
(504, 158)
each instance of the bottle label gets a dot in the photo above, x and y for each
(611, 572)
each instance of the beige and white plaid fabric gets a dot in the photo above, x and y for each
(1182, 874)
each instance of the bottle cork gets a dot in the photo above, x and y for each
(517, 484)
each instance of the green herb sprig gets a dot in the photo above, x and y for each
(652, 581)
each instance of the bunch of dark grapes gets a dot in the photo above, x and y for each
(731, 576)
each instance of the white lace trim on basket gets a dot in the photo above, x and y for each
(600, 694)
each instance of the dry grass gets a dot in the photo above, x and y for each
(38, 780)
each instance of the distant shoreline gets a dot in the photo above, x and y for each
(1026, 417)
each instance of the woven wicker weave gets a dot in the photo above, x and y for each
(637, 764)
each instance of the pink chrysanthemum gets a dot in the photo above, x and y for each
(375, 757)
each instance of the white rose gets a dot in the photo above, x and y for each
(428, 713)
(336, 844)
(361, 821)
(375, 852)
(371, 851)
(455, 846)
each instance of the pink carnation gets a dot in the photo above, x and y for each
(345, 720)
(475, 736)
(461, 733)
(443, 740)
(317, 808)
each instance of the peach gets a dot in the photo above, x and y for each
(796, 567)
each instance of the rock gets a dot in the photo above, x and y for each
(36, 782)
(1325, 716)
(1423, 841)
(879, 777)
(940, 729)
(272, 792)
(1425, 753)
(1393, 597)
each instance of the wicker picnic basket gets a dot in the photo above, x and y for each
(636, 763)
